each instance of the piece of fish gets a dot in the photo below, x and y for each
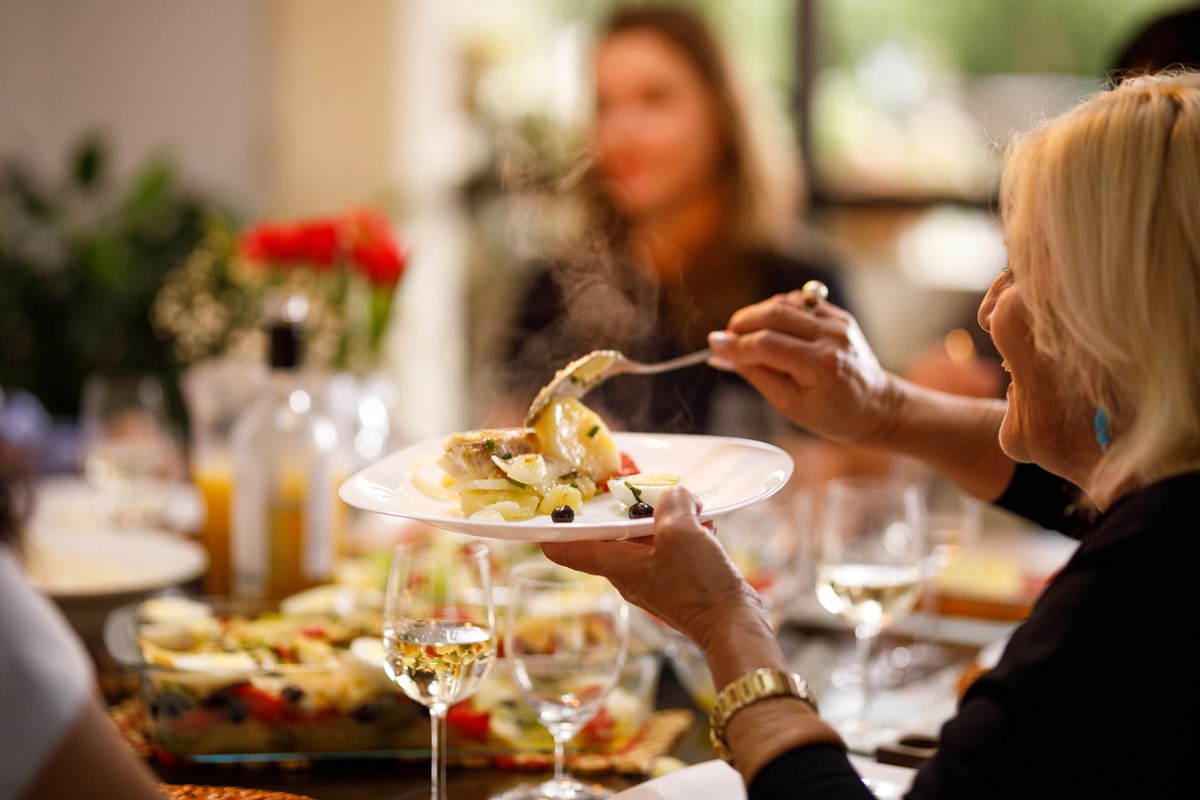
(468, 455)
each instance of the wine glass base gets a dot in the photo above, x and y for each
(568, 789)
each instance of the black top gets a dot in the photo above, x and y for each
(569, 310)
(1094, 696)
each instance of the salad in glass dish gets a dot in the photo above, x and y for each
(247, 680)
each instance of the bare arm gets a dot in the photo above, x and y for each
(818, 370)
(92, 763)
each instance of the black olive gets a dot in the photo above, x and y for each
(170, 706)
(215, 701)
(563, 514)
(235, 710)
(366, 713)
(292, 693)
(641, 511)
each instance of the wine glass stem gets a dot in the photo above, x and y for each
(437, 770)
(562, 756)
(863, 636)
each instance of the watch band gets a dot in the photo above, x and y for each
(760, 684)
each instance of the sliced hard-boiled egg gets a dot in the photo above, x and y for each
(367, 660)
(328, 598)
(179, 634)
(368, 650)
(645, 487)
(214, 662)
(172, 609)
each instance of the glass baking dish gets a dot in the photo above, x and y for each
(249, 706)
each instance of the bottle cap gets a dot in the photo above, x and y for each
(286, 339)
(285, 329)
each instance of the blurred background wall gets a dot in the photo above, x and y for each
(447, 113)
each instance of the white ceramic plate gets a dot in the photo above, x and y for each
(89, 563)
(725, 473)
(716, 780)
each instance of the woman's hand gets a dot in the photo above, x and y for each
(681, 574)
(814, 366)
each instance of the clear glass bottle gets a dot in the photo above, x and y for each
(287, 463)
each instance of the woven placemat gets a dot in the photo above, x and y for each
(657, 736)
(191, 791)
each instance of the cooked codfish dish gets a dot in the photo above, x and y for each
(566, 458)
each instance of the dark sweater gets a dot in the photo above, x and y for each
(1094, 694)
(569, 310)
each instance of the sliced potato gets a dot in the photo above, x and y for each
(571, 432)
(511, 511)
(473, 500)
(561, 495)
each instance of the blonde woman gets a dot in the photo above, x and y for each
(1097, 319)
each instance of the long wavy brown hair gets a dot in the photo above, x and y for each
(764, 180)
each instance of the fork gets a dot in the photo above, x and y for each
(587, 372)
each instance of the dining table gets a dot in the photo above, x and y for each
(817, 645)
(923, 699)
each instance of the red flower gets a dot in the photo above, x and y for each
(362, 237)
(374, 250)
(319, 243)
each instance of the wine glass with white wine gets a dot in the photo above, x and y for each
(439, 631)
(566, 638)
(868, 572)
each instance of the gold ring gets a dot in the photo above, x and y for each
(814, 292)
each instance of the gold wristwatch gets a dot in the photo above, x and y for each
(750, 688)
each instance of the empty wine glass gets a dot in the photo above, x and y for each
(130, 451)
(868, 573)
(953, 523)
(439, 632)
(566, 638)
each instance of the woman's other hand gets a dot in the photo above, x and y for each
(813, 365)
(681, 574)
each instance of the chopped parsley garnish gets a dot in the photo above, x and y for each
(517, 483)
(592, 433)
(507, 456)
(490, 444)
(637, 493)
(566, 476)
(574, 485)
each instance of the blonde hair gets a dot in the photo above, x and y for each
(1102, 210)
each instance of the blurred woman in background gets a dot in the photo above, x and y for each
(690, 213)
